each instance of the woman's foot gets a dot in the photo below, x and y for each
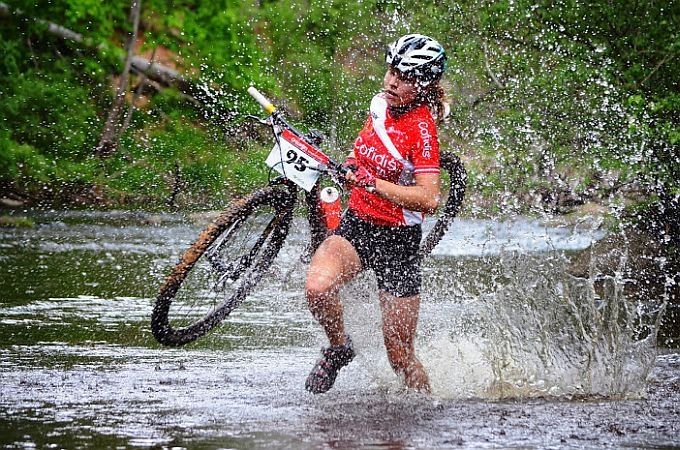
(416, 378)
(323, 375)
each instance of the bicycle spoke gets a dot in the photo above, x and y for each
(225, 267)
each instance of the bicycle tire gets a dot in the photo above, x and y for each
(252, 261)
(452, 164)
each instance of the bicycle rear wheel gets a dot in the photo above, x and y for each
(452, 164)
(217, 272)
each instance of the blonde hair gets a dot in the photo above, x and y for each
(435, 99)
(432, 96)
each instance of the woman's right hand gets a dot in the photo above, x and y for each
(348, 168)
(364, 178)
(350, 165)
(361, 178)
(356, 175)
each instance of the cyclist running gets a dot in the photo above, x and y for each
(394, 180)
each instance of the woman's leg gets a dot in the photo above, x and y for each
(399, 322)
(334, 263)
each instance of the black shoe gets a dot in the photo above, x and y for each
(323, 375)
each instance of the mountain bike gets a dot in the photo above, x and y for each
(232, 254)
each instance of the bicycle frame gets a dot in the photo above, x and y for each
(449, 162)
(307, 145)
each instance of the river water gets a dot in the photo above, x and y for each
(520, 354)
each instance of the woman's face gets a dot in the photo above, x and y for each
(399, 91)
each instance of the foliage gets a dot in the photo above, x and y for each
(52, 111)
(551, 99)
(16, 222)
(325, 60)
(54, 107)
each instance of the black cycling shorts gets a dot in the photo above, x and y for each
(392, 253)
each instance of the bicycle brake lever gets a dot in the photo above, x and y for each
(259, 119)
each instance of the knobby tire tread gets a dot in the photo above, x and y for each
(279, 198)
(452, 164)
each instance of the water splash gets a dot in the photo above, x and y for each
(539, 331)
(501, 317)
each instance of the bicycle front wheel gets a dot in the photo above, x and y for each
(216, 273)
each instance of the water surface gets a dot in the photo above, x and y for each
(520, 354)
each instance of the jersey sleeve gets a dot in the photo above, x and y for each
(425, 157)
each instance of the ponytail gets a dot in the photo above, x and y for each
(435, 99)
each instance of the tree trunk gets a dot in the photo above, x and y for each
(113, 128)
(202, 96)
(133, 102)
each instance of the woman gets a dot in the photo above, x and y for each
(394, 177)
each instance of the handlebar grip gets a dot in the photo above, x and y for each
(262, 100)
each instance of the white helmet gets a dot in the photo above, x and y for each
(417, 55)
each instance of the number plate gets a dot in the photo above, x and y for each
(297, 160)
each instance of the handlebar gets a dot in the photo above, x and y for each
(278, 119)
(271, 109)
(262, 100)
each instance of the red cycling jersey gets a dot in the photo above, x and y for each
(394, 149)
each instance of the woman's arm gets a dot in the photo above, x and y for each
(424, 196)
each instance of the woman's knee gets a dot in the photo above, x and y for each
(334, 263)
(319, 285)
